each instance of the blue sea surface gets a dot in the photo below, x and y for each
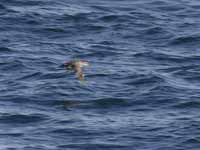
(141, 91)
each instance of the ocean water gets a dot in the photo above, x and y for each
(141, 91)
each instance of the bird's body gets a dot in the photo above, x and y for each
(77, 67)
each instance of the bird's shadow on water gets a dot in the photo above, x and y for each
(93, 104)
(69, 105)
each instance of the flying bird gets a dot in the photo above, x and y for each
(77, 66)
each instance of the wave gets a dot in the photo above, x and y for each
(24, 3)
(13, 65)
(190, 104)
(2, 7)
(116, 18)
(160, 56)
(149, 79)
(94, 146)
(193, 39)
(6, 50)
(22, 119)
(93, 104)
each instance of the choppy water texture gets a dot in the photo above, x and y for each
(142, 91)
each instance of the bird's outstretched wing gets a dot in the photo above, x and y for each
(79, 72)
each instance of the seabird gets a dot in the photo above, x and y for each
(77, 66)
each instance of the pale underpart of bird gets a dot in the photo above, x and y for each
(77, 66)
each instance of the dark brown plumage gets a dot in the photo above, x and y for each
(77, 67)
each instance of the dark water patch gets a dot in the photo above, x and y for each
(143, 16)
(142, 108)
(23, 3)
(92, 28)
(108, 103)
(31, 148)
(33, 100)
(171, 8)
(189, 40)
(4, 40)
(102, 8)
(13, 65)
(45, 62)
(187, 74)
(156, 101)
(157, 3)
(190, 104)
(161, 57)
(106, 43)
(98, 54)
(155, 30)
(68, 103)
(31, 76)
(119, 27)
(32, 22)
(192, 141)
(53, 75)
(193, 80)
(196, 6)
(105, 48)
(116, 18)
(94, 146)
(157, 34)
(98, 75)
(188, 13)
(158, 97)
(142, 80)
(184, 68)
(2, 7)
(76, 18)
(22, 119)
(193, 58)
(165, 88)
(6, 50)
(56, 30)
(157, 129)
(71, 30)
(11, 135)
(72, 132)
(54, 33)
(93, 104)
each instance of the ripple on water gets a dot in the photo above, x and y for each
(161, 57)
(148, 79)
(190, 40)
(22, 119)
(116, 18)
(190, 104)
(2, 7)
(13, 65)
(109, 102)
(6, 50)
(94, 104)
(94, 146)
